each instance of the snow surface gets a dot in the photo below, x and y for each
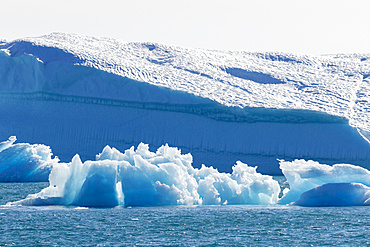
(335, 84)
(89, 92)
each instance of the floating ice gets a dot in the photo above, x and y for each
(88, 92)
(8, 143)
(305, 175)
(336, 194)
(144, 178)
(24, 162)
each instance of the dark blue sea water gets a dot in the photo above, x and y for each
(178, 226)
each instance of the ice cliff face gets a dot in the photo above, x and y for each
(78, 93)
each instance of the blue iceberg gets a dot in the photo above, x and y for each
(25, 162)
(139, 177)
(305, 175)
(77, 93)
(143, 178)
(335, 195)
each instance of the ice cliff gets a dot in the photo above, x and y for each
(77, 94)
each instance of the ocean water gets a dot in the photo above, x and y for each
(179, 225)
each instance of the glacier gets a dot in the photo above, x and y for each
(77, 94)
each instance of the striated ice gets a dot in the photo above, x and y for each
(335, 84)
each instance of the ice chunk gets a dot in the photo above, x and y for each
(336, 194)
(305, 175)
(24, 162)
(8, 143)
(143, 178)
(244, 185)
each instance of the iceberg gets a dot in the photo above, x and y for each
(77, 93)
(166, 177)
(336, 194)
(220, 106)
(305, 175)
(25, 162)
(143, 178)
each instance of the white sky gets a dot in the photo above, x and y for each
(314, 26)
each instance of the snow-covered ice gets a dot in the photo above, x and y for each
(77, 94)
(335, 84)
